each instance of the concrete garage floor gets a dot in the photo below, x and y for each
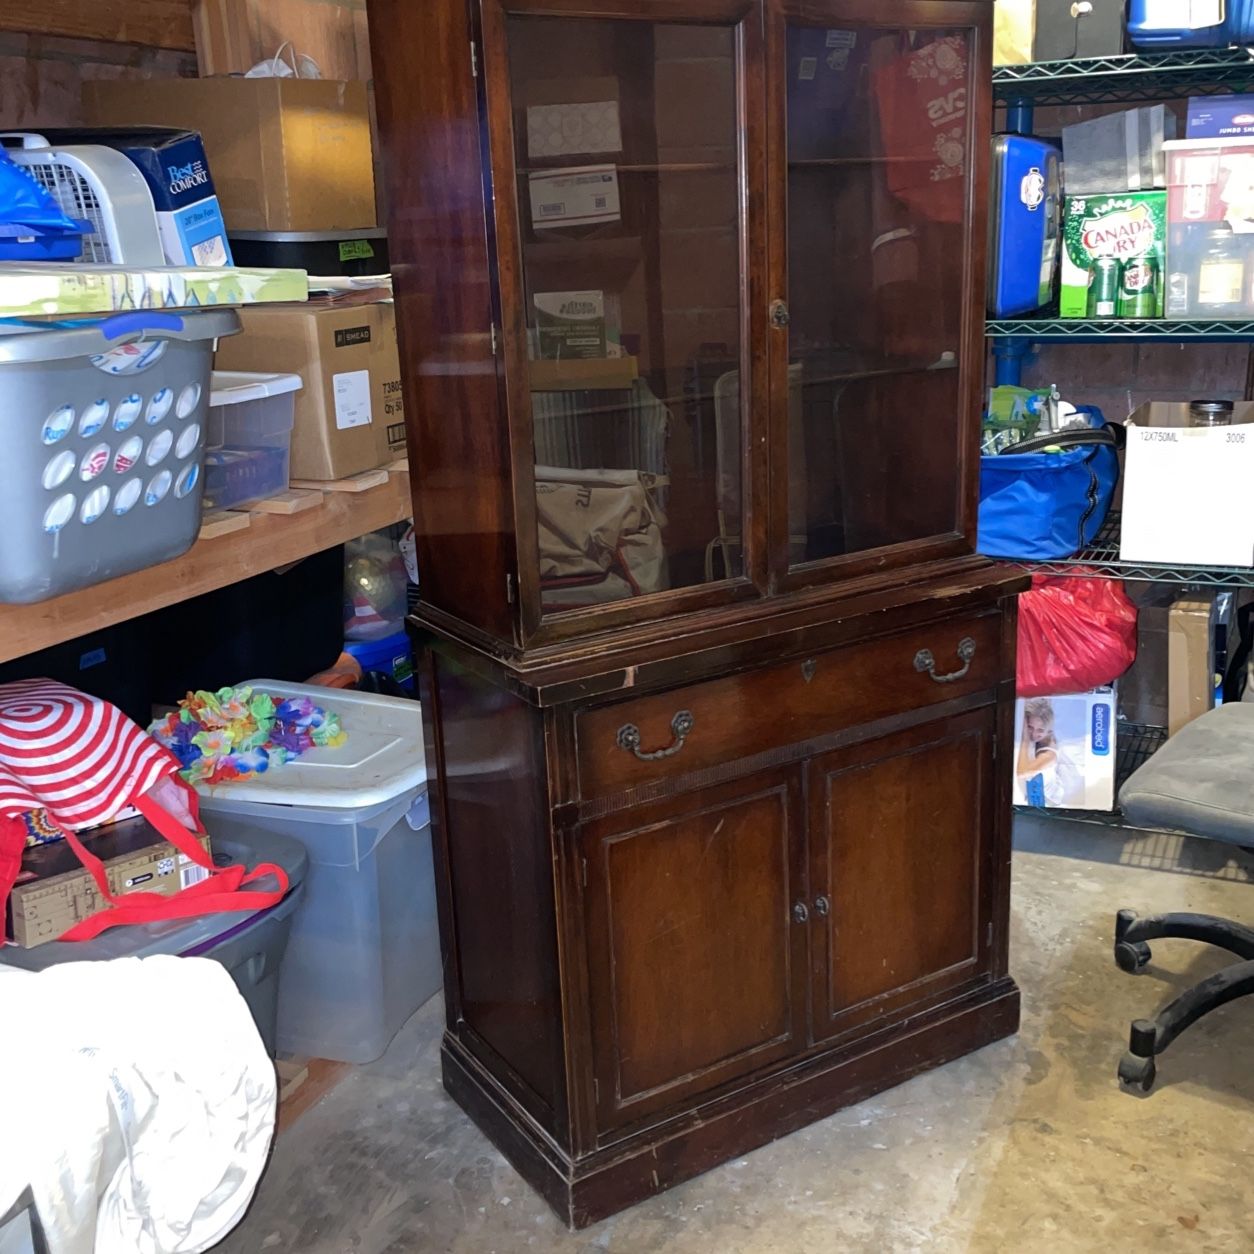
(1028, 1145)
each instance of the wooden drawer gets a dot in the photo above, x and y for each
(706, 724)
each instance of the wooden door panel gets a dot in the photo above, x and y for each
(899, 835)
(697, 967)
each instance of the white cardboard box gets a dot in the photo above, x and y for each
(1186, 492)
(1064, 751)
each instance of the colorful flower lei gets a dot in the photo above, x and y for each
(235, 732)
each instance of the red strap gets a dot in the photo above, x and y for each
(221, 893)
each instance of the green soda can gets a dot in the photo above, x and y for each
(1138, 288)
(1104, 288)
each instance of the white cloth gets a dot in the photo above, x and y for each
(138, 1103)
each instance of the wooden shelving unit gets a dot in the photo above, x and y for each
(268, 541)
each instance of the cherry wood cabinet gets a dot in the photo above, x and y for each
(716, 689)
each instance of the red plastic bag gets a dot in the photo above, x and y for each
(1074, 634)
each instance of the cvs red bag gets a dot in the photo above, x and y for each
(1074, 634)
(76, 761)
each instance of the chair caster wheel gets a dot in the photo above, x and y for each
(1137, 1073)
(1131, 956)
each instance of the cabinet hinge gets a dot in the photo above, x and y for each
(585, 871)
(509, 588)
(596, 1090)
(493, 333)
(474, 59)
(988, 936)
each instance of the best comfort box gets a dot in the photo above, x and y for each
(1064, 752)
(287, 154)
(1113, 255)
(349, 416)
(175, 167)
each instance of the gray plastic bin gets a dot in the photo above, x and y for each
(364, 952)
(103, 471)
(249, 946)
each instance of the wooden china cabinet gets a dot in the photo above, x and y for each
(718, 697)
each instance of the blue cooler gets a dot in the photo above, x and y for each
(1153, 24)
(1025, 221)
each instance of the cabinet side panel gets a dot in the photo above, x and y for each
(458, 438)
(500, 881)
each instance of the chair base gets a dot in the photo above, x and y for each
(1150, 1037)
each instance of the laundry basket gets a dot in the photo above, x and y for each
(105, 424)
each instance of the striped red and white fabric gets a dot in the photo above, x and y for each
(80, 760)
(77, 757)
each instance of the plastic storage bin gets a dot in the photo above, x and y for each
(250, 437)
(102, 473)
(249, 946)
(364, 952)
(1159, 27)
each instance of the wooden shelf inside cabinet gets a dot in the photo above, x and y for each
(269, 541)
(636, 167)
(804, 163)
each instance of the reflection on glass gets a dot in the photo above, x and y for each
(877, 188)
(627, 179)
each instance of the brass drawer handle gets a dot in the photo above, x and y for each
(629, 738)
(924, 661)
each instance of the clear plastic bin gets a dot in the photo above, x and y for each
(364, 951)
(249, 440)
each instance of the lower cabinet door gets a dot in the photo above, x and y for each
(900, 836)
(697, 965)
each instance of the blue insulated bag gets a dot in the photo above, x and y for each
(1042, 506)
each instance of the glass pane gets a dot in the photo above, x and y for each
(877, 185)
(625, 140)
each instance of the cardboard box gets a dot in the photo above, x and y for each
(349, 413)
(1210, 218)
(1118, 151)
(287, 154)
(1220, 117)
(1201, 627)
(54, 890)
(1186, 490)
(1064, 751)
(1190, 661)
(1013, 22)
(1128, 227)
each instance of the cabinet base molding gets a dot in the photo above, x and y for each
(608, 1180)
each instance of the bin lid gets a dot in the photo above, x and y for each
(381, 759)
(234, 387)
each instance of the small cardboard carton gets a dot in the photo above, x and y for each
(1186, 489)
(287, 154)
(54, 890)
(349, 414)
(1064, 751)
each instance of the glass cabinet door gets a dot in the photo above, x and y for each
(626, 317)
(877, 273)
